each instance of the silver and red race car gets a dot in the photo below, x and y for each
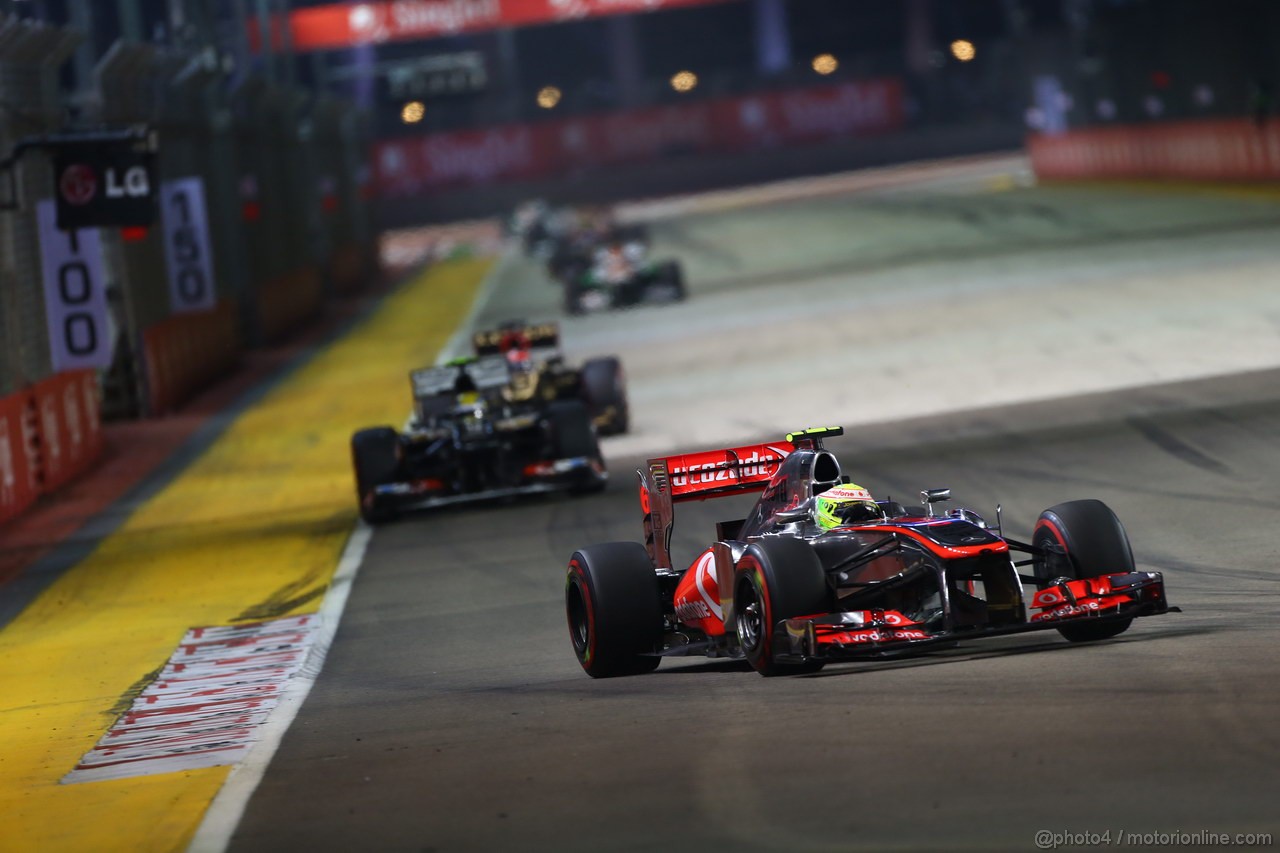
(801, 581)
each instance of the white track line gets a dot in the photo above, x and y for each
(224, 813)
(227, 808)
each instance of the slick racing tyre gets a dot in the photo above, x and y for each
(375, 455)
(777, 579)
(1094, 543)
(605, 390)
(573, 299)
(667, 284)
(614, 609)
(573, 436)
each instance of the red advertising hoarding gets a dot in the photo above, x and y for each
(342, 25)
(1219, 149)
(50, 433)
(407, 166)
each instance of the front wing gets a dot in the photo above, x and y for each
(881, 633)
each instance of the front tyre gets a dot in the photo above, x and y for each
(1083, 539)
(777, 579)
(614, 609)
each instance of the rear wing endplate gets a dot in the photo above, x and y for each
(668, 480)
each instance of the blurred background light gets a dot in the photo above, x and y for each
(825, 63)
(963, 50)
(548, 97)
(684, 81)
(412, 112)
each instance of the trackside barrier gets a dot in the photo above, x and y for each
(286, 302)
(50, 433)
(1228, 149)
(349, 268)
(69, 426)
(185, 352)
(18, 465)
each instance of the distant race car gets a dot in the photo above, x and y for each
(467, 441)
(818, 571)
(539, 373)
(620, 275)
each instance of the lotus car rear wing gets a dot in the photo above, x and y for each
(697, 476)
(472, 374)
(542, 336)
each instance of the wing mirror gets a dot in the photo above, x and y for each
(933, 496)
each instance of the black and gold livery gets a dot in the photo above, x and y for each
(539, 372)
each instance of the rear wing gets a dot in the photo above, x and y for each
(479, 374)
(543, 336)
(668, 480)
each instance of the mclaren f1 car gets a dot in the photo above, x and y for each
(819, 571)
(539, 373)
(466, 440)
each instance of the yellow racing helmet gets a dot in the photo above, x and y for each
(846, 504)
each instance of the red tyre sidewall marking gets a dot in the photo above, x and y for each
(577, 573)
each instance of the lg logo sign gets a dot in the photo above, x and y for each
(103, 185)
(78, 183)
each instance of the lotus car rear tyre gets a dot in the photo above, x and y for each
(777, 579)
(614, 609)
(573, 436)
(605, 388)
(1095, 543)
(375, 456)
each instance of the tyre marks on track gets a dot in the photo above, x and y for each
(1177, 448)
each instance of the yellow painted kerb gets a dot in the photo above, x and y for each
(252, 529)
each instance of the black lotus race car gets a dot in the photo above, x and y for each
(539, 373)
(789, 590)
(620, 275)
(468, 440)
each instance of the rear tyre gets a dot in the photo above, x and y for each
(605, 388)
(614, 609)
(573, 436)
(573, 293)
(375, 456)
(1095, 543)
(667, 284)
(777, 579)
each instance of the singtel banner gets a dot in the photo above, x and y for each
(342, 25)
(407, 166)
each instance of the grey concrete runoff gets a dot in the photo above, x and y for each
(1022, 346)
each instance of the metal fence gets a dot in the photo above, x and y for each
(265, 175)
(30, 104)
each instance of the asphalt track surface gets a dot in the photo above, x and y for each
(1143, 327)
